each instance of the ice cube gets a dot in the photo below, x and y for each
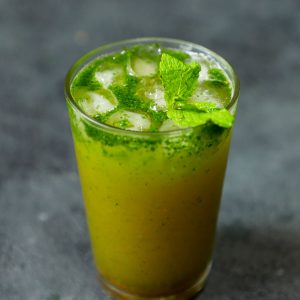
(106, 77)
(203, 75)
(95, 103)
(204, 94)
(156, 93)
(169, 125)
(143, 67)
(205, 63)
(129, 120)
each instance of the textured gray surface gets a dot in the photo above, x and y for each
(44, 247)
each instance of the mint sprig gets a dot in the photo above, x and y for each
(179, 79)
(180, 82)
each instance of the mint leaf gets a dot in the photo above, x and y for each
(198, 113)
(195, 106)
(217, 75)
(188, 118)
(220, 117)
(180, 55)
(218, 84)
(179, 79)
(218, 80)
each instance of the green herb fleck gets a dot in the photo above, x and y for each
(127, 97)
(86, 78)
(123, 124)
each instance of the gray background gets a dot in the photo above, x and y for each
(44, 246)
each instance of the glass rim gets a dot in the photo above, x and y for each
(70, 75)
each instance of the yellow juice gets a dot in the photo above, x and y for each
(151, 214)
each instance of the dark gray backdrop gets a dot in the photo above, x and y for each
(44, 247)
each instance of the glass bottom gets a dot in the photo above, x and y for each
(116, 293)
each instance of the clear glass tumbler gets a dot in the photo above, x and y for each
(151, 198)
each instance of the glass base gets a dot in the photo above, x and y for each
(116, 293)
